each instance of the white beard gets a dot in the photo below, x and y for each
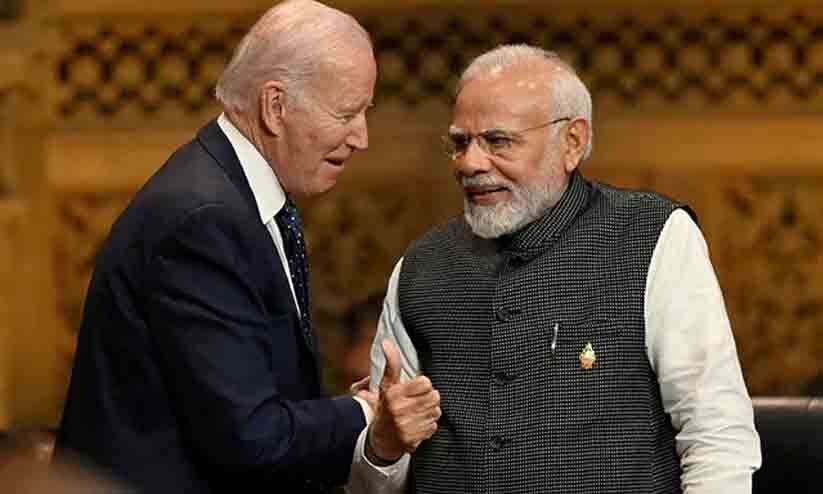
(527, 204)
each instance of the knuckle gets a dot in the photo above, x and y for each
(425, 381)
(390, 393)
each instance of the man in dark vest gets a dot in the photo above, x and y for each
(197, 367)
(575, 331)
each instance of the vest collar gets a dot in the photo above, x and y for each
(541, 233)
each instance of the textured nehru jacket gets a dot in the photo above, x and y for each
(520, 416)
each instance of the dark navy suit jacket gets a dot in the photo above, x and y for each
(191, 372)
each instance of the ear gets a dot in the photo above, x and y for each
(577, 139)
(272, 107)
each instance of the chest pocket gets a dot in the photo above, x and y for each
(587, 365)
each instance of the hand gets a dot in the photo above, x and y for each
(406, 415)
(361, 389)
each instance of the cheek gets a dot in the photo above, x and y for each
(325, 138)
(518, 171)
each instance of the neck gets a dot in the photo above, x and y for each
(246, 125)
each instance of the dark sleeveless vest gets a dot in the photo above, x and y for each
(499, 327)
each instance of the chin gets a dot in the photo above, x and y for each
(320, 188)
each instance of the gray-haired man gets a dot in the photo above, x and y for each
(196, 367)
(576, 332)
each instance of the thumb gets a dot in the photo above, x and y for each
(391, 372)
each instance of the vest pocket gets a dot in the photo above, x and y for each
(586, 368)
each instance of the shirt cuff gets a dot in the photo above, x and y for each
(368, 413)
(737, 483)
(367, 477)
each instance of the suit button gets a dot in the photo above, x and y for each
(496, 443)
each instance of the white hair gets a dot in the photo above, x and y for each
(528, 203)
(568, 96)
(289, 43)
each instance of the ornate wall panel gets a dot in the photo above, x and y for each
(10, 224)
(767, 241)
(707, 103)
(765, 238)
(84, 219)
(8, 169)
(683, 60)
(9, 9)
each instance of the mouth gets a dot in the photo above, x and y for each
(486, 194)
(337, 162)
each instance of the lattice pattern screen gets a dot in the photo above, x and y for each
(699, 62)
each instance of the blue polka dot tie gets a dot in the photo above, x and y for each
(291, 228)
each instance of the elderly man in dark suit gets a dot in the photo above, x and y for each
(196, 367)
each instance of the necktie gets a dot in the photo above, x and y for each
(291, 229)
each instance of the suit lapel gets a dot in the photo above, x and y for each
(212, 138)
(217, 144)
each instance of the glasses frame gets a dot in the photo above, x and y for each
(512, 136)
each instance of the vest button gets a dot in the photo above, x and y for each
(496, 443)
(516, 262)
(507, 313)
(503, 377)
(504, 313)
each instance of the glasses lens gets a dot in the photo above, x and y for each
(456, 144)
(496, 141)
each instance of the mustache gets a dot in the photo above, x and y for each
(483, 181)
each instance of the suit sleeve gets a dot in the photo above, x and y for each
(214, 343)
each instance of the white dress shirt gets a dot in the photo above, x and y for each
(270, 199)
(266, 188)
(690, 347)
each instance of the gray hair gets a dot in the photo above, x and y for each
(569, 96)
(289, 43)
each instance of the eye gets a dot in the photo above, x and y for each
(460, 142)
(347, 118)
(498, 142)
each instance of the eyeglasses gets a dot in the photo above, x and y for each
(495, 142)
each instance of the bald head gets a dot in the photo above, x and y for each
(290, 43)
(544, 72)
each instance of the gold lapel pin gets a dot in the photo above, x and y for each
(587, 357)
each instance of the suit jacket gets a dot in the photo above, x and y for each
(191, 372)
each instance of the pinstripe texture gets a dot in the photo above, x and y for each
(519, 416)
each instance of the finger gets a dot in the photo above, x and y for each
(391, 373)
(413, 438)
(370, 396)
(405, 408)
(418, 386)
(362, 384)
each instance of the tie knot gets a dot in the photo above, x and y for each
(289, 216)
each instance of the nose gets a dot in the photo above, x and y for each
(472, 162)
(358, 137)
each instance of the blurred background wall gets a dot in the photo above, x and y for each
(718, 103)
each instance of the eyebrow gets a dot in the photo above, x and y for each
(495, 130)
(492, 130)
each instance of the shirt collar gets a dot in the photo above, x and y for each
(266, 188)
